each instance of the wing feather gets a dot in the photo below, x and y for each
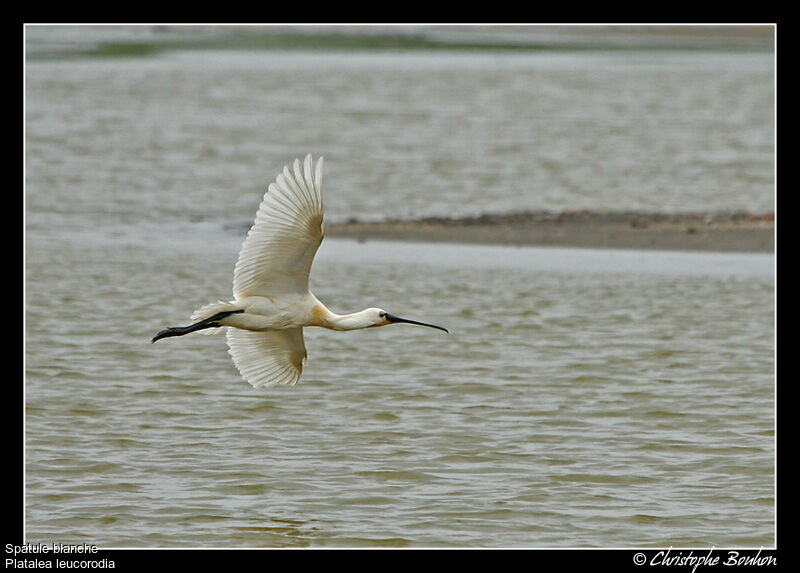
(268, 358)
(277, 254)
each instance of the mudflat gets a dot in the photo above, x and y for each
(738, 232)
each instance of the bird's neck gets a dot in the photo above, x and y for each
(354, 321)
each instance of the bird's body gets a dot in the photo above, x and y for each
(272, 303)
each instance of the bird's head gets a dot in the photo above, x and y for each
(380, 317)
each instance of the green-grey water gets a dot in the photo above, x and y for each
(584, 398)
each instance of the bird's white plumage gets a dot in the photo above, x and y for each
(277, 254)
(276, 259)
(264, 323)
(268, 358)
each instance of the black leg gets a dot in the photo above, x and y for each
(210, 322)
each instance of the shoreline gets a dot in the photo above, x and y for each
(724, 232)
(148, 41)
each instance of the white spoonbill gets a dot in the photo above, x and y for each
(271, 302)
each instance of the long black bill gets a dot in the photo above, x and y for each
(393, 318)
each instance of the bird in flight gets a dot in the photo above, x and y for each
(271, 302)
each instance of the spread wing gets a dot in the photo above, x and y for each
(277, 254)
(268, 358)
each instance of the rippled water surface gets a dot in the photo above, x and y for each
(583, 397)
(407, 134)
(570, 405)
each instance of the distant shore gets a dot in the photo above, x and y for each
(58, 42)
(725, 232)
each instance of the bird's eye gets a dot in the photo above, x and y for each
(382, 314)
